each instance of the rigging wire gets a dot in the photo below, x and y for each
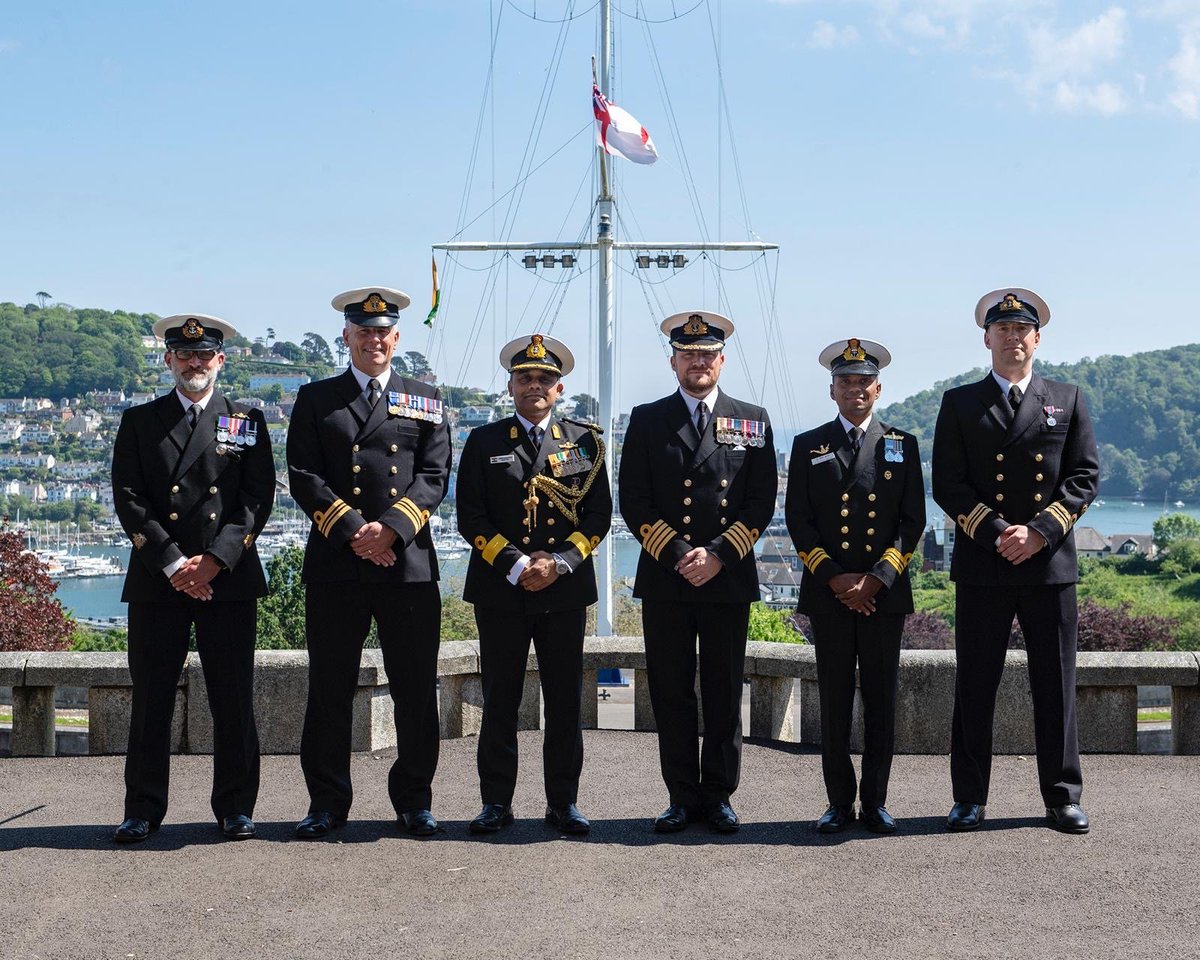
(534, 16)
(675, 15)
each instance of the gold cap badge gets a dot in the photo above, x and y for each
(536, 349)
(695, 326)
(1011, 303)
(854, 350)
(374, 304)
(192, 329)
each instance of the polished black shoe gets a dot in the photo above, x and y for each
(133, 830)
(491, 818)
(318, 824)
(835, 819)
(1069, 818)
(237, 827)
(722, 819)
(877, 820)
(418, 823)
(673, 819)
(567, 819)
(965, 816)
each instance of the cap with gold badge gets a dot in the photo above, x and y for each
(193, 331)
(537, 352)
(854, 357)
(697, 330)
(1011, 305)
(371, 306)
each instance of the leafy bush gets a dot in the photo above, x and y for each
(86, 640)
(925, 630)
(771, 625)
(30, 616)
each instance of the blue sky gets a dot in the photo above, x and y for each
(253, 160)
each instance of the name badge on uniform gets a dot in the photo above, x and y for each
(893, 448)
(504, 458)
(414, 406)
(822, 458)
(569, 461)
(741, 433)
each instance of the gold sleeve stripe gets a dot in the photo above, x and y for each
(493, 547)
(325, 521)
(415, 514)
(897, 559)
(657, 537)
(740, 537)
(582, 544)
(813, 558)
(1060, 513)
(971, 522)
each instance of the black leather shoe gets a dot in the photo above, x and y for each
(1069, 818)
(418, 823)
(567, 819)
(672, 820)
(722, 819)
(237, 827)
(491, 818)
(965, 816)
(877, 820)
(835, 819)
(133, 830)
(318, 824)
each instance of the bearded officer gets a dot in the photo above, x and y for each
(533, 500)
(855, 510)
(697, 486)
(369, 458)
(1014, 460)
(193, 485)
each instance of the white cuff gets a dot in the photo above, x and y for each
(170, 568)
(517, 569)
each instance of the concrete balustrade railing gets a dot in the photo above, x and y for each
(1106, 682)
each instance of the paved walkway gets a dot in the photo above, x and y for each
(777, 889)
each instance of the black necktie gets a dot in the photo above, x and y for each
(856, 436)
(193, 415)
(701, 418)
(373, 391)
(1014, 396)
(535, 437)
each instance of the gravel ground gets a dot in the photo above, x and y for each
(777, 889)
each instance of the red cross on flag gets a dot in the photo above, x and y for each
(619, 133)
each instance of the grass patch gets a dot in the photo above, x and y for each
(1154, 714)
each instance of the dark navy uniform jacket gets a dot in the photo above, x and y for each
(493, 483)
(1042, 470)
(180, 492)
(677, 493)
(861, 514)
(350, 464)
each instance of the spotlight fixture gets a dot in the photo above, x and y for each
(663, 260)
(548, 260)
(568, 261)
(529, 260)
(643, 261)
(679, 260)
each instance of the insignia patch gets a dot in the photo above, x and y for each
(536, 349)
(192, 329)
(823, 448)
(854, 350)
(512, 433)
(374, 304)
(1010, 303)
(695, 326)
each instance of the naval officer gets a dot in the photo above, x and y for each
(855, 510)
(193, 485)
(1015, 462)
(697, 487)
(369, 459)
(534, 502)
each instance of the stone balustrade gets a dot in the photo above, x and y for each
(1106, 682)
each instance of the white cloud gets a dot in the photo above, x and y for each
(1105, 99)
(827, 36)
(1184, 68)
(1080, 52)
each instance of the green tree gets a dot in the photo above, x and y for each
(289, 351)
(458, 619)
(586, 407)
(1183, 558)
(1175, 526)
(774, 626)
(42, 296)
(418, 366)
(316, 348)
(272, 392)
(281, 611)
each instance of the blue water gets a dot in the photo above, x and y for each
(100, 597)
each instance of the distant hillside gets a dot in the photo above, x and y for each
(1146, 410)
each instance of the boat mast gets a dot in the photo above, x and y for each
(605, 245)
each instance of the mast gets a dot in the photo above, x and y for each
(605, 245)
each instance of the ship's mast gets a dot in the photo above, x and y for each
(605, 244)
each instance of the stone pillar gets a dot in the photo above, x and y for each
(771, 713)
(108, 719)
(810, 712)
(529, 715)
(1185, 721)
(1107, 719)
(590, 708)
(33, 722)
(643, 711)
(372, 723)
(451, 714)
